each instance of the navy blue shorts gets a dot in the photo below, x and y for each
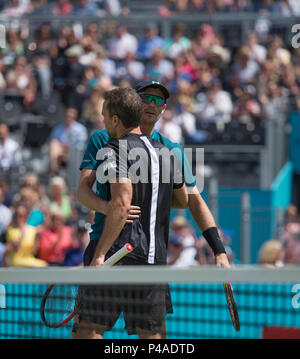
(143, 306)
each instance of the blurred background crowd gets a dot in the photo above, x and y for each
(52, 80)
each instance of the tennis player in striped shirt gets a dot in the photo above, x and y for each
(133, 171)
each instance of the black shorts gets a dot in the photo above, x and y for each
(143, 306)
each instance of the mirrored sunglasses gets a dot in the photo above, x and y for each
(159, 101)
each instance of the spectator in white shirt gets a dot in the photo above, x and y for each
(130, 69)
(257, 52)
(215, 105)
(245, 69)
(168, 128)
(122, 43)
(5, 214)
(10, 152)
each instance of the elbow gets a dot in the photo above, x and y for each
(120, 207)
(79, 195)
(185, 204)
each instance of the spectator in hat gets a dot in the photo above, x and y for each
(80, 240)
(183, 239)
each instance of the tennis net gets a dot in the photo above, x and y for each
(268, 300)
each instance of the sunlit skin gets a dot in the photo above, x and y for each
(152, 112)
(196, 204)
(114, 125)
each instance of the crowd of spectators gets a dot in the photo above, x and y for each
(40, 226)
(264, 7)
(210, 84)
(284, 250)
(187, 249)
(165, 8)
(62, 7)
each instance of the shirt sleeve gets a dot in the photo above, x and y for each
(89, 160)
(183, 165)
(113, 164)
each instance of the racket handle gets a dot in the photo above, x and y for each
(127, 248)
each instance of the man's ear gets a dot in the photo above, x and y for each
(163, 109)
(115, 120)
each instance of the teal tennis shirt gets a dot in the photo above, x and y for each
(97, 141)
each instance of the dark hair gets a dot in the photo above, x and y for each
(126, 104)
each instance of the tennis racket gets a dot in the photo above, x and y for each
(232, 306)
(64, 296)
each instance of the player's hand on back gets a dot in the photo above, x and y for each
(134, 213)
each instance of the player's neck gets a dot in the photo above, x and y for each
(125, 131)
(147, 129)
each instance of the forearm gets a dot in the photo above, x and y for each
(89, 199)
(200, 212)
(114, 223)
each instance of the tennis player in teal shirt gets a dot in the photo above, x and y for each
(98, 140)
(154, 96)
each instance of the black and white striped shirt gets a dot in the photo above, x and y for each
(153, 172)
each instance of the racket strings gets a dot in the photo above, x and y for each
(60, 303)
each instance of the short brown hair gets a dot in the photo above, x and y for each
(126, 104)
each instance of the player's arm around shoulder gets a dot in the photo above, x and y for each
(85, 193)
(119, 206)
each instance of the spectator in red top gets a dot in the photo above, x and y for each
(62, 7)
(55, 239)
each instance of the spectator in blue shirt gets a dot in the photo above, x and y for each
(80, 240)
(85, 8)
(61, 135)
(149, 42)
